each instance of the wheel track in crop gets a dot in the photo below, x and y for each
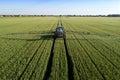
(69, 62)
(19, 78)
(74, 62)
(92, 60)
(36, 50)
(86, 52)
(19, 57)
(23, 57)
(81, 63)
(117, 53)
(37, 62)
(76, 67)
(101, 52)
(106, 45)
(102, 55)
(50, 61)
(26, 45)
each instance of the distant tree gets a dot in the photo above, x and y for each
(114, 15)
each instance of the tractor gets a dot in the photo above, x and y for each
(60, 32)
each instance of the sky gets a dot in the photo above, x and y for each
(59, 7)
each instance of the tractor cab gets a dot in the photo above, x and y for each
(60, 32)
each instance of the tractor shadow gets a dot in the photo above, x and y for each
(43, 37)
(37, 38)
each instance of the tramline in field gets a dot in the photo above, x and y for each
(64, 48)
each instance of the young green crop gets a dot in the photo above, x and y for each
(59, 67)
(92, 46)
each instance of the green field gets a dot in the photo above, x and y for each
(28, 50)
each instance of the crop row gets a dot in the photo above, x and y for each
(103, 65)
(25, 59)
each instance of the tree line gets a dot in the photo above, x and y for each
(110, 15)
